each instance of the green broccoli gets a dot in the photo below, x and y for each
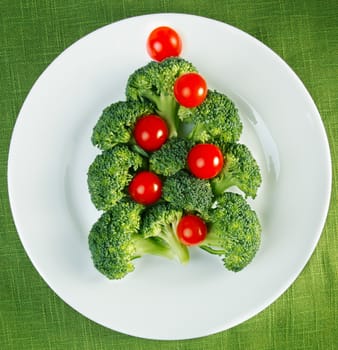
(114, 240)
(155, 82)
(234, 233)
(185, 191)
(171, 157)
(110, 173)
(160, 222)
(216, 117)
(117, 122)
(240, 170)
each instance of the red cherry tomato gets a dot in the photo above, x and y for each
(145, 188)
(191, 230)
(150, 132)
(205, 160)
(190, 90)
(163, 42)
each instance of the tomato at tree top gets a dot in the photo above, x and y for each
(205, 160)
(163, 42)
(145, 188)
(150, 132)
(190, 90)
(191, 230)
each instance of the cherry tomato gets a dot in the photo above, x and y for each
(150, 132)
(145, 188)
(190, 90)
(191, 230)
(163, 42)
(205, 160)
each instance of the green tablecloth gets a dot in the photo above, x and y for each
(32, 34)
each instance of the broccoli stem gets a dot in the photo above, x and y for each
(180, 250)
(149, 246)
(167, 107)
(211, 250)
(210, 241)
(136, 148)
(220, 185)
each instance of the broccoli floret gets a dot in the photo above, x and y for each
(155, 82)
(234, 233)
(117, 122)
(160, 222)
(171, 157)
(216, 117)
(114, 242)
(240, 170)
(185, 191)
(110, 173)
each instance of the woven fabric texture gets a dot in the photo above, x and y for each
(32, 33)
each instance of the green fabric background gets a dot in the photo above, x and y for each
(32, 34)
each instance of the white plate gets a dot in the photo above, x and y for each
(50, 153)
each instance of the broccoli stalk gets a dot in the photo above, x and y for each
(168, 234)
(240, 170)
(166, 107)
(234, 233)
(150, 246)
(160, 222)
(154, 82)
